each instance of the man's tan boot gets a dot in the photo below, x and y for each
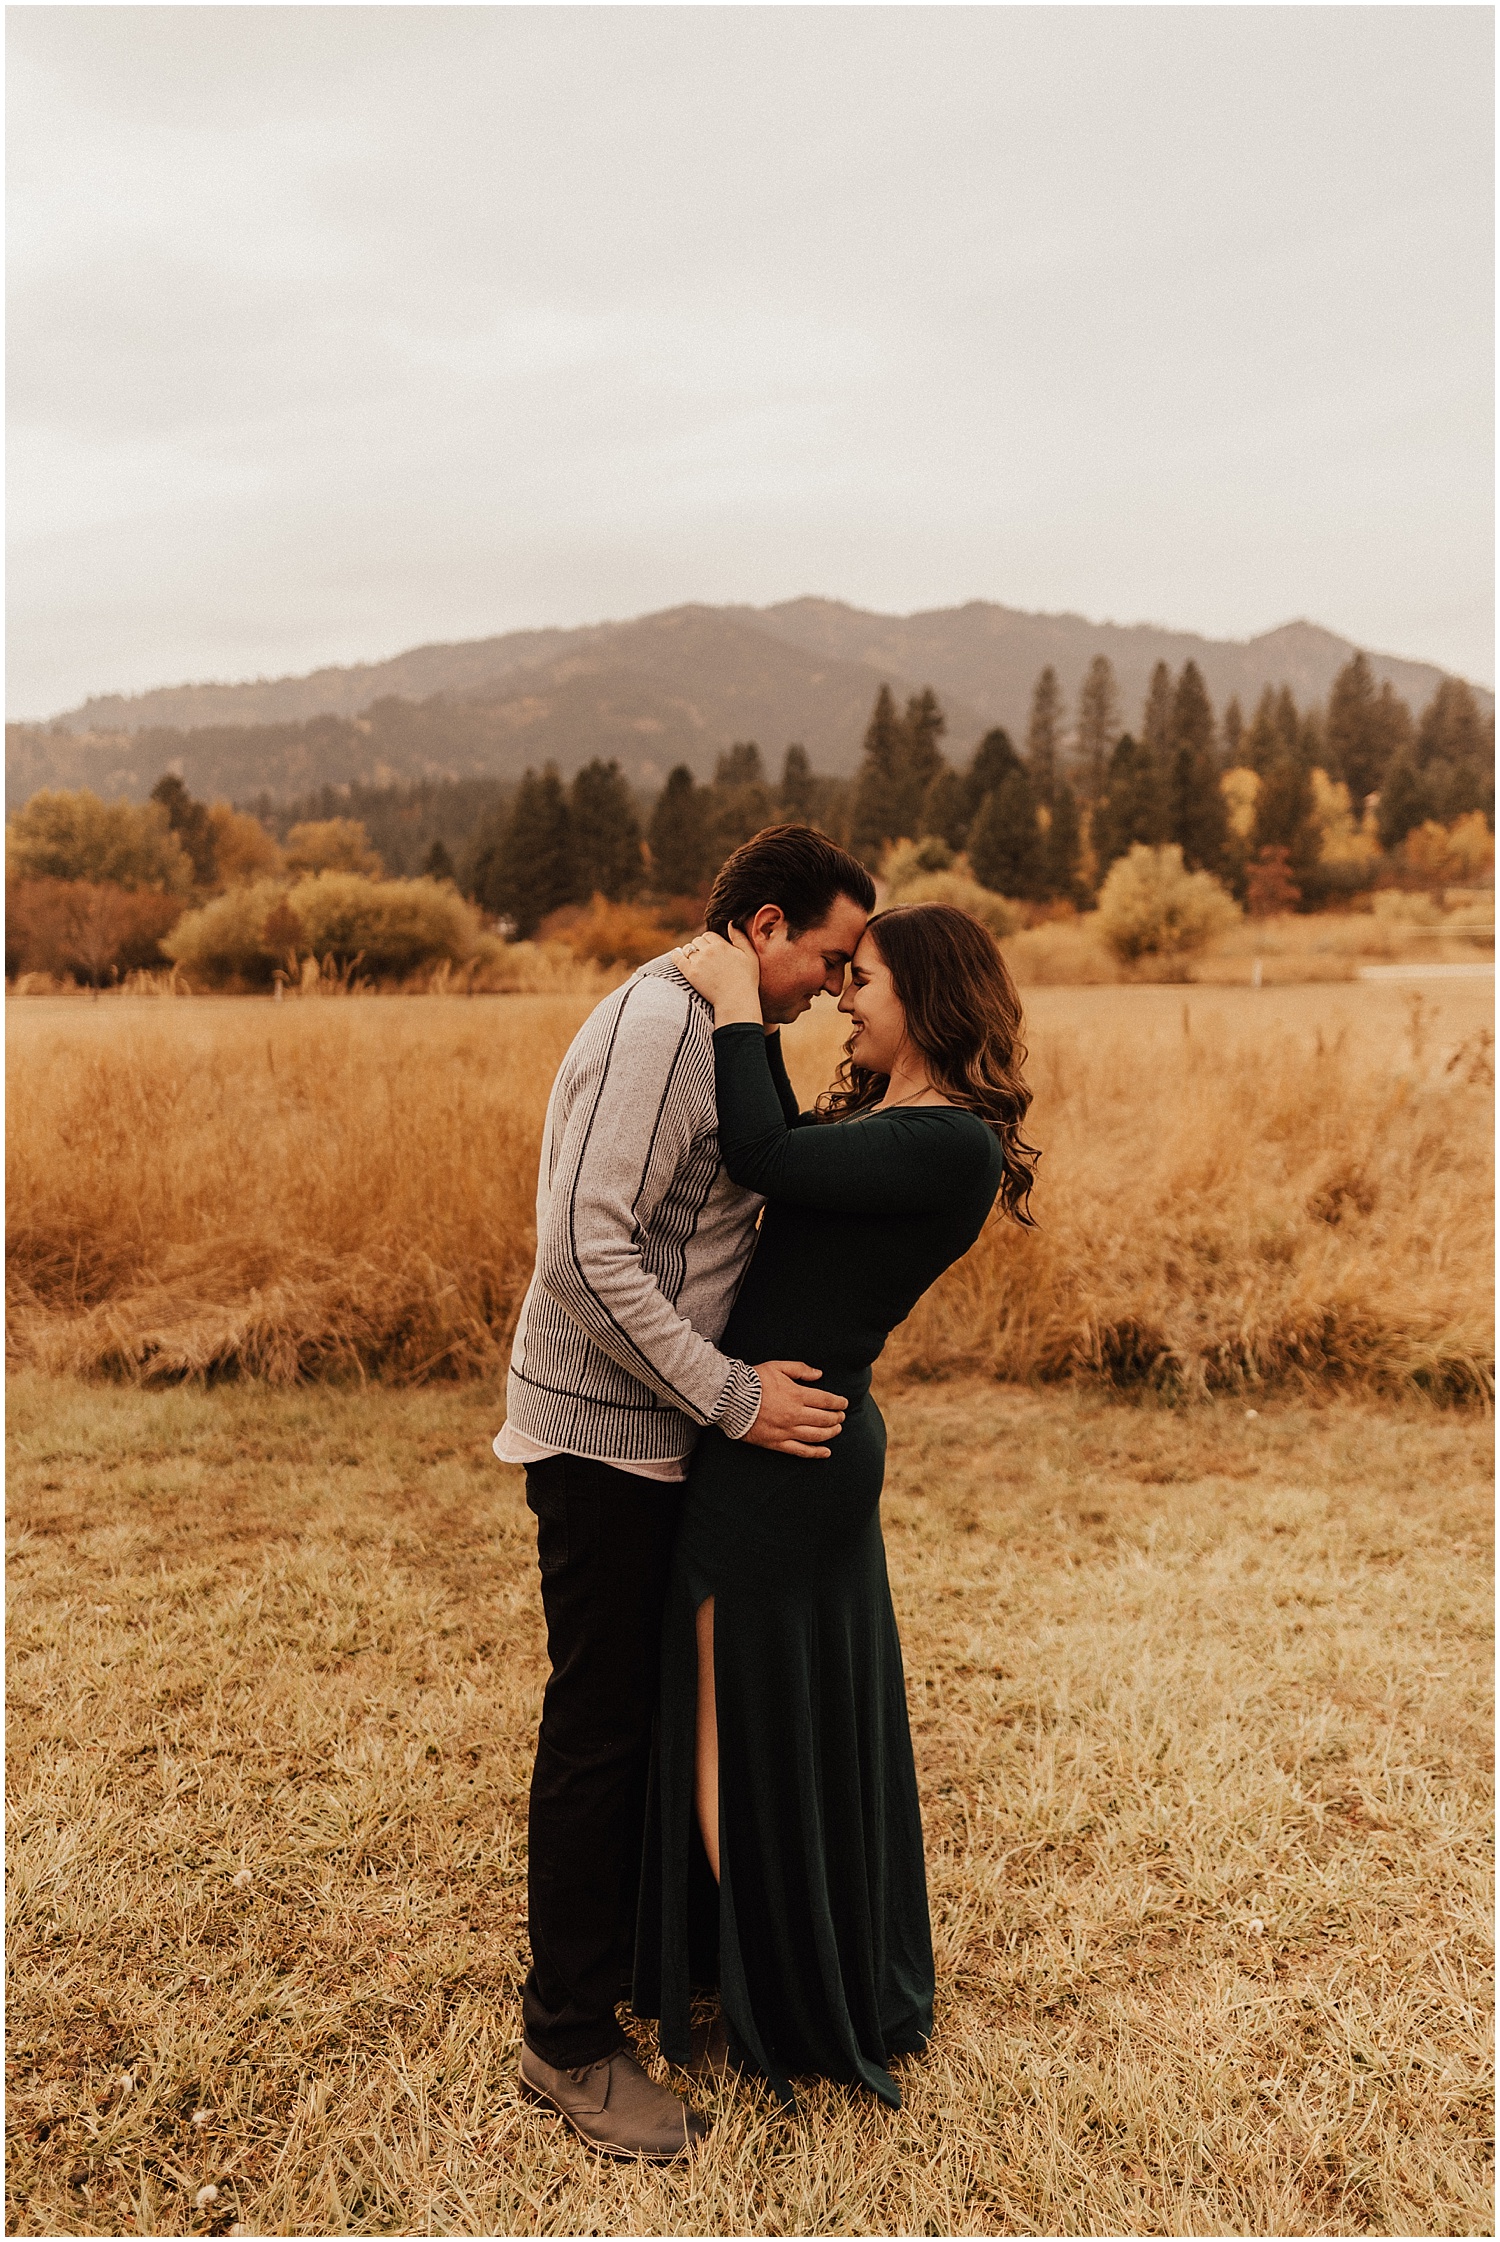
(615, 2107)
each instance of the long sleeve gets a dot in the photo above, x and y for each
(903, 1162)
(624, 1136)
(776, 1061)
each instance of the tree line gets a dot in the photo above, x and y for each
(1290, 807)
(1251, 801)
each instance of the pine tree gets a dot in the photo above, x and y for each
(526, 871)
(1290, 730)
(945, 809)
(920, 758)
(740, 765)
(1275, 729)
(877, 790)
(990, 766)
(437, 864)
(678, 836)
(1156, 718)
(1006, 850)
(189, 820)
(740, 802)
(1450, 730)
(1197, 814)
(1260, 742)
(1405, 801)
(1352, 729)
(798, 793)
(1192, 720)
(1395, 733)
(1044, 736)
(1232, 734)
(1284, 817)
(606, 833)
(1134, 805)
(1098, 725)
(1455, 752)
(1063, 849)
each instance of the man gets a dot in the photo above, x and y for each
(642, 1240)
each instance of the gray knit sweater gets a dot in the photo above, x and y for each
(641, 1240)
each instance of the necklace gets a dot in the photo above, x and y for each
(887, 1104)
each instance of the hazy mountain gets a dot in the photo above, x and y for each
(992, 655)
(679, 686)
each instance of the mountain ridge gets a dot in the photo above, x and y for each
(678, 685)
(464, 667)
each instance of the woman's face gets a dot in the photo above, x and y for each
(873, 1005)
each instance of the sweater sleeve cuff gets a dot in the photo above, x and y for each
(739, 1403)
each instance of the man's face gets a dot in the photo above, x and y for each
(795, 970)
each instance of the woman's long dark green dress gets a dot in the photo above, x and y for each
(818, 1935)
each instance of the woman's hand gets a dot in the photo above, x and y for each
(727, 973)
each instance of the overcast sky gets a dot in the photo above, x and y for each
(335, 330)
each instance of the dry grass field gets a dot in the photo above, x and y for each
(1240, 1188)
(1200, 1709)
(1196, 1613)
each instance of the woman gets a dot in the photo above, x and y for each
(785, 1766)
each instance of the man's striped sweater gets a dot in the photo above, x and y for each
(641, 1240)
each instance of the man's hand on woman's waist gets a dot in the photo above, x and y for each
(791, 1419)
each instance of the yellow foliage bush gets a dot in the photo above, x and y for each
(1462, 851)
(1151, 906)
(928, 872)
(243, 849)
(1342, 838)
(1241, 791)
(61, 835)
(332, 844)
(390, 927)
(608, 933)
(501, 968)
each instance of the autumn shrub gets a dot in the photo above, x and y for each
(927, 871)
(610, 933)
(92, 931)
(501, 968)
(1270, 888)
(390, 927)
(1460, 852)
(243, 850)
(332, 844)
(225, 944)
(73, 835)
(1151, 906)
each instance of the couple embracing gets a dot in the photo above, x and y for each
(724, 1800)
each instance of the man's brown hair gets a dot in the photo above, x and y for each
(800, 871)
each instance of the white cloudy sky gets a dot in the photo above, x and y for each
(333, 330)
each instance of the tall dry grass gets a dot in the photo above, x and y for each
(1200, 1711)
(1288, 948)
(1238, 1187)
(292, 1190)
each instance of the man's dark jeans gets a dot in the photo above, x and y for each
(604, 1544)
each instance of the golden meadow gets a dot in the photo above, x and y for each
(1240, 1188)
(1200, 1691)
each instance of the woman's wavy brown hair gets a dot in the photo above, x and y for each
(964, 1016)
